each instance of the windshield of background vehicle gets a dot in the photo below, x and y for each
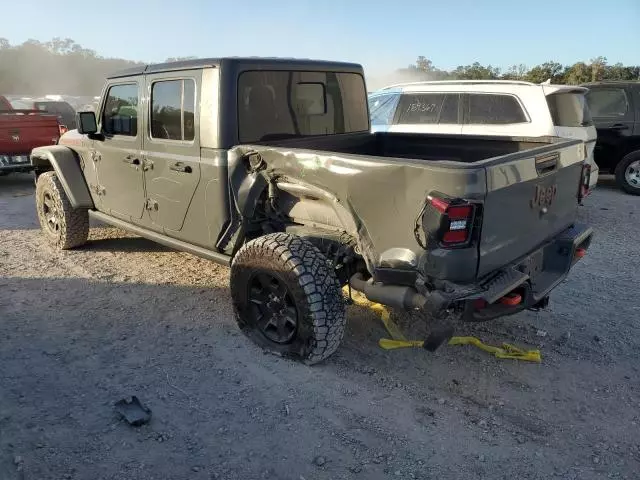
(382, 108)
(277, 104)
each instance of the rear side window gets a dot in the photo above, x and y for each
(428, 108)
(65, 112)
(120, 116)
(488, 109)
(173, 109)
(55, 107)
(569, 110)
(607, 102)
(382, 108)
(285, 104)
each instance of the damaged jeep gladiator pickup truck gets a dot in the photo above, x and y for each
(268, 166)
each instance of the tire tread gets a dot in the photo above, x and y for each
(74, 223)
(319, 287)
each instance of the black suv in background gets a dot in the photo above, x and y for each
(615, 109)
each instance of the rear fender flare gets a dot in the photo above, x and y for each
(249, 185)
(66, 164)
(332, 213)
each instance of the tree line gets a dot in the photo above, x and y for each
(595, 70)
(62, 66)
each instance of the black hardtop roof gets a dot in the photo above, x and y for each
(251, 62)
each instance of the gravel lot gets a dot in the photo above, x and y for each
(82, 329)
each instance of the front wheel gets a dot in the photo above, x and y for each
(64, 226)
(286, 297)
(628, 173)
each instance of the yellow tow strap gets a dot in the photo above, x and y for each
(506, 351)
(398, 340)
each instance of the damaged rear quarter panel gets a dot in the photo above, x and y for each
(384, 196)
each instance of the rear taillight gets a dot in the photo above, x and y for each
(456, 222)
(585, 180)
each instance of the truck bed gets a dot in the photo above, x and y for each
(22, 131)
(525, 188)
(440, 148)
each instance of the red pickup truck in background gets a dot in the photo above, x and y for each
(20, 132)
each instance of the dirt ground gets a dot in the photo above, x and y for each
(80, 330)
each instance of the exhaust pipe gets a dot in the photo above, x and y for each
(409, 299)
(392, 295)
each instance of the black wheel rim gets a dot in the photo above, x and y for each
(271, 308)
(50, 214)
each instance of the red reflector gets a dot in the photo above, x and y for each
(585, 181)
(462, 211)
(454, 236)
(581, 252)
(439, 204)
(511, 299)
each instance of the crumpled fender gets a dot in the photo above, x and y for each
(66, 164)
(249, 186)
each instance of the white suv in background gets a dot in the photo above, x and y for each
(486, 107)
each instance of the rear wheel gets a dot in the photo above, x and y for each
(628, 173)
(64, 226)
(287, 298)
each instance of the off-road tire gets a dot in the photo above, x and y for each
(72, 224)
(313, 288)
(620, 171)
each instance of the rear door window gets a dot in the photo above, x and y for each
(65, 112)
(569, 109)
(172, 109)
(382, 108)
(607, 102)
(428, 108)
(494, 109)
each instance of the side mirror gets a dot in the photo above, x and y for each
(86, 122)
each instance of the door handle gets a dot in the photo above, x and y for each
(131, 160)
(180, 167)
(619, 126)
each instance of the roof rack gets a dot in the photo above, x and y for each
(455, 82)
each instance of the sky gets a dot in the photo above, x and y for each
(381, 35)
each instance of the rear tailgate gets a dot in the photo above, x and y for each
(531, 197)
(20, 133)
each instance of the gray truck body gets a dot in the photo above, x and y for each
(212, 193)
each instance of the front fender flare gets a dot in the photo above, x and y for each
(67, 167)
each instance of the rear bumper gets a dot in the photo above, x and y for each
(531, 278)
(15, 163)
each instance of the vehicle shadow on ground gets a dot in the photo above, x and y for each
(17, 183)
(608, 182)
(111, 239)
(102, 311)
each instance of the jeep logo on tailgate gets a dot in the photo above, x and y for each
(543, 197)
